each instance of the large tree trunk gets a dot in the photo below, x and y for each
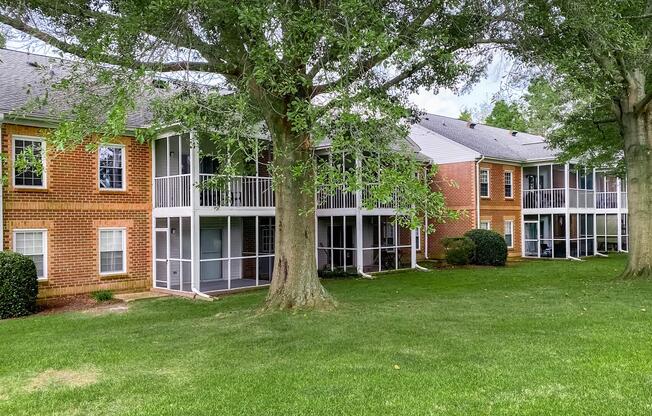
(637, 131)
(295, 284)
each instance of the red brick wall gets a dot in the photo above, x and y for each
(498, 208)
(72, 209)
(457, 182)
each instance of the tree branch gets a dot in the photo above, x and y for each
(640, 106)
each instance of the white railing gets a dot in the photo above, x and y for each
(339, 199)
(392, 204)
(240, 191)
(544, 198)
(623, 200)
(606, 200)
(581, 198)
(172, 191)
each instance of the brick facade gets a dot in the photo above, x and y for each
(72, 208)
(457, 181)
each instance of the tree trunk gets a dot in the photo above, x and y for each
(637, 131)
(295, 284)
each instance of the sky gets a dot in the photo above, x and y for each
(478, 98)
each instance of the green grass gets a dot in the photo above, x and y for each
(540, 337)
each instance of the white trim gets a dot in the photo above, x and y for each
(44, 176)
(511, 179)
(124, 250)
(511, 222)
(488, 222)
(488, 183)
(123, 167)
(45, 246)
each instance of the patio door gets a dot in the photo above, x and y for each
(161, 249)
(531, 238)
(172, 241)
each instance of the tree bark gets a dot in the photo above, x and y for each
(295, 284)
(637, 132)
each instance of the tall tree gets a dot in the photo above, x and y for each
(506, 116)
(598, 52)
(465, 115)
(312, 71)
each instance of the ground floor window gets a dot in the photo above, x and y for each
(336, 244)
(485, 225)
(606, 231)
(509, 233)
(33, 244)
(113, 250)
(624, 232)
(386, 245)
(417, 239)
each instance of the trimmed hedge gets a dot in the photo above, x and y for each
(459, 250)
(490, 247)
(18, 285)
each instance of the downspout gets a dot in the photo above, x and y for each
(477, 191)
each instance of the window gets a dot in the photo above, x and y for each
(485, 225)
(31, 175)
(111, 172)
(509, 192)
(33, 244)
(484, 183)
(417, 242)
(113, 250)
(509, 233)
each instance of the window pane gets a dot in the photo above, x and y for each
(111, 251)
(31, 244)
(111, 169)
(32, 175)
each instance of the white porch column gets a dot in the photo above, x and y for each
(619, 217)
(413, 248)
(566, 213)
(194, 207)
(358, 223)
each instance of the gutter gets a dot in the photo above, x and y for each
(477, 190)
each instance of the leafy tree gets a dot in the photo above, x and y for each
(310, 72)
(598, 52)
(465, 115)
(506, 116)
(542, 103)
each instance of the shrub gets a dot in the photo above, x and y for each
(459, 250)
(18, 285)
(338, 273)
(490, 247)
(102, 295)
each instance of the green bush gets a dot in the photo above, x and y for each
(18, 285)
(490, 247)
(459, 250)
(338, 273)
(102, 295)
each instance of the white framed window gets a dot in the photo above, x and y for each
(509, 233)
(113, 251)
(484, 183)
(509, 188)
(417, 242)
(485, 225)
(112, 167)
(33, 244)
(29, 176)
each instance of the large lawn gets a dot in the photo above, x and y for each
(544, 337)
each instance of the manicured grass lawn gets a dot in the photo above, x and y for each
(544, 337)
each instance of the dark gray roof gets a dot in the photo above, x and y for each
(491, 142)
(26, 76)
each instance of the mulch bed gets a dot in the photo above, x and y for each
(71, 304)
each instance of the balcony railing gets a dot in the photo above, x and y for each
(339, 199)
(581, 198)
(544, 198)
(623, 200)
(393, 203)
(606, 200)
(172, 191)
(241, 191)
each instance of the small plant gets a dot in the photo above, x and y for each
(459, 250)
(490, 247)
(338, 273)
(18, 285)
(102, 295)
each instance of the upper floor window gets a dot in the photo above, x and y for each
(509, 189)
(113, 248)
(33, 244)
(484, 183)
(112, 167)
(29, 162)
